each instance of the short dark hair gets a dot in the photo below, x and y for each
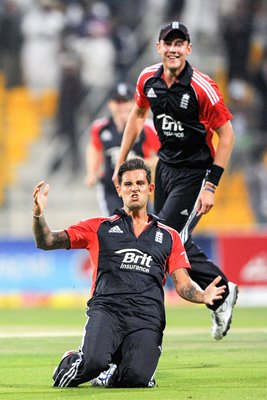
(131, 165)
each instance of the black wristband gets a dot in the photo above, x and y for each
(215, 174)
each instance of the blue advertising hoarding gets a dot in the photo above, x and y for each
(24, 268)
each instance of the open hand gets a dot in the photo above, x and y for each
(212, 292)
(205, 202)
(40, 198)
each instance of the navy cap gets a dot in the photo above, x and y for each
(174, 26)
(122, 92)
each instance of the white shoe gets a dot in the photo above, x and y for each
(151, 383)
(104, 378)
(222, 317)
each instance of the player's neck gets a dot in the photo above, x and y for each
(139, 216)
(140, 221)
(171, 75)
(120, 124)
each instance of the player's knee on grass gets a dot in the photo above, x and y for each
(93, 366)
(132, 377)
(71, 374)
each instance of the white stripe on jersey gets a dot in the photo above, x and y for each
(167, 228)
(151, 68)
(148, 70)
(206, 86)
(146, 74)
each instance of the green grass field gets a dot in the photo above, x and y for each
(192, 366)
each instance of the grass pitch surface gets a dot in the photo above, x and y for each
(192, 366)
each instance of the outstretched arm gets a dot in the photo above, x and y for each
(133, 128)
(45, 238)
(191, 291)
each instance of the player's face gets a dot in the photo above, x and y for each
(174, 51)
(120, 110)
(135, 190)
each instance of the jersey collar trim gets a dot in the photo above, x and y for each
(154, 218)
(184, 77)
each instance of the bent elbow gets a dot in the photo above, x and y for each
(42, 245)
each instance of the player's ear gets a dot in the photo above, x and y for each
(118, 188)
(151, 188)
(158, 47)
(189, 48)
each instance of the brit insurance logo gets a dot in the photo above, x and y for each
(171, 127)
(136, 260)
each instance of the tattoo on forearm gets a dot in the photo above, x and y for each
(46, 239)
(189, 293)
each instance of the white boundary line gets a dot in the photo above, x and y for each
(168, 331)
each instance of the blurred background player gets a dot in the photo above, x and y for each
(104, 146)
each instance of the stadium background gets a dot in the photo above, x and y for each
(44, 48)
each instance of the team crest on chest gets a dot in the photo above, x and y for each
(159, 237)
(185, 101)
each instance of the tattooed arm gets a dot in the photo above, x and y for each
(45, 238)
(191, 291)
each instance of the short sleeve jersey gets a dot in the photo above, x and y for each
(185, 114)
(105, 137)
(129, 270)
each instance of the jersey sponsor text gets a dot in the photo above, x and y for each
(171, 127)
(135, 260)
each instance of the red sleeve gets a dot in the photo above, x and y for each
(140, 97)
(151, 142)
(94, 133)
(213, 111)
(178, 258)
(84, 234)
